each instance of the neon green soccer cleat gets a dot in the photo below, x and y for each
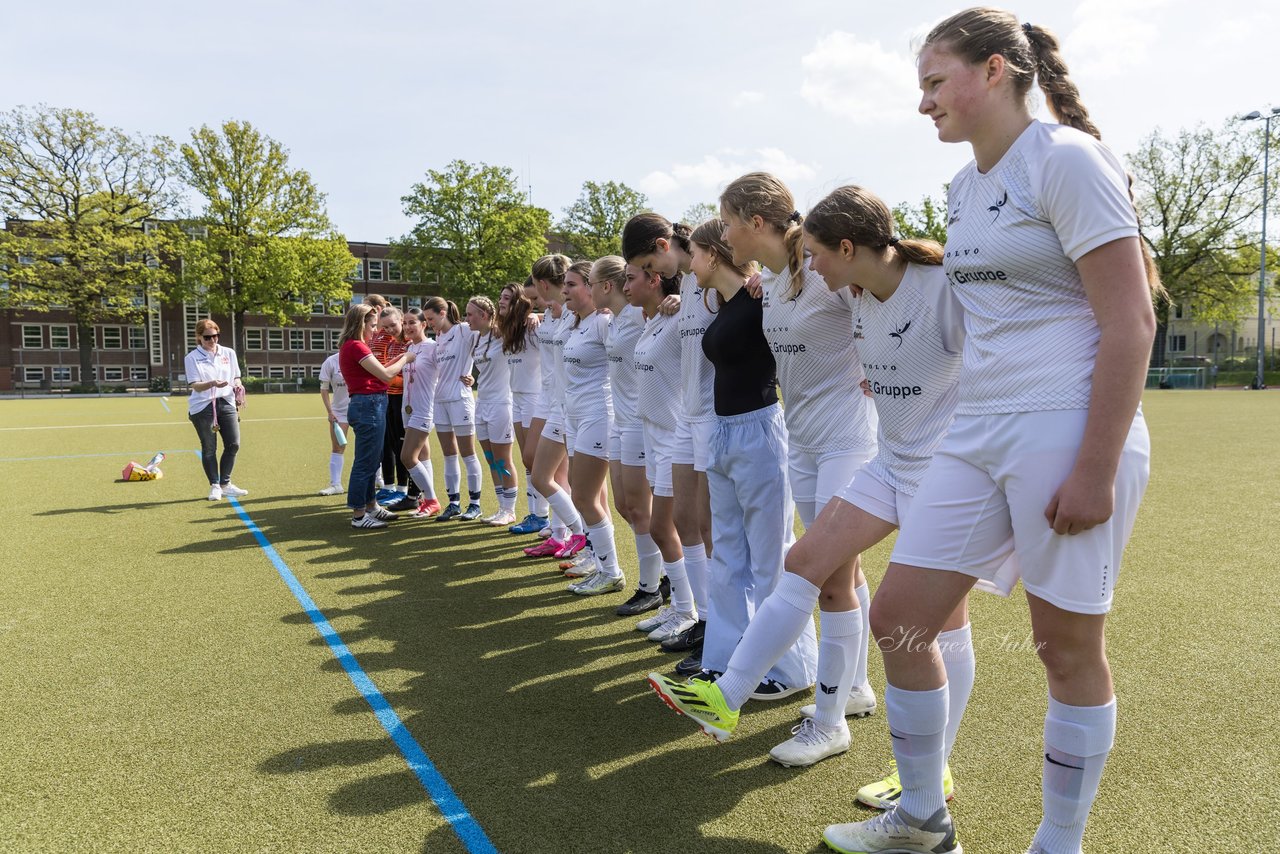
(701, 701)
(884, 794)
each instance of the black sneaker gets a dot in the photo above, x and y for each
(688, 640)
(451, 512)
(664, 587)
(404, 505)
(473, 513)
(640, 602)
(771, 689)
(705, 675)
(691, 665)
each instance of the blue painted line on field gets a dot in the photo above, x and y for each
(89, 456)
(441, 793)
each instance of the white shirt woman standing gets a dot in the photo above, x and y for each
(213, 373)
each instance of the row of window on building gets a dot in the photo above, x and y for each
(112, 374)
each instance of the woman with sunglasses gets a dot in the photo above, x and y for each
(214, 375)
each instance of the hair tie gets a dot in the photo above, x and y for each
(1027, 28)
(795, 217)
(893, 241)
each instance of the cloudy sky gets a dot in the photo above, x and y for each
(674, 99)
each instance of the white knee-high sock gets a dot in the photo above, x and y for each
(771, 632)
(452, 477)
(600, 535)
(650, 560)
(864, 610)
(475, 478)
(424, 476)
(537, 501)
(681, 593)
(837, 663)
(335, 468)
(1077, 740)
(507, 499)
(957, 657)
(917, 723)
(562, 504)
(695, 561)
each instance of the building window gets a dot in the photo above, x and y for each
(253, 339)
(398, 302)
(113, 375)
(357, 272)
(33, 338)
(60, 337)
(318, 307)
(298, 371)
(1177, 343)
(255, 372)
(137, 338)
(1177, 311)
(276, 372)
(112, 338)
(393, 271)
(375, 271)
(315, 370)
(139, 297)
(275, 339)
(335, 335)
(61, 375)
(139, 374)
(316, 337)
(414, 302)
(296, 341)
(33, 375)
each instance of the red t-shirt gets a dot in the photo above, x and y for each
(359, 381)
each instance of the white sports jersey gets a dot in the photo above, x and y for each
(453, 353)
(818, 367)
(420, 379)
(526, 366)
(910, 347)
(697, 395)
(1013, 237)
(494, 381)
(624, 332)
(586, 367)
(558, 334)
(547, 347)
(657, 367)
(332, 381)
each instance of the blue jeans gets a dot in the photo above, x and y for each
(367, 415)
(229, 426)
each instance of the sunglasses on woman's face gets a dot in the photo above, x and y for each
(209, 337)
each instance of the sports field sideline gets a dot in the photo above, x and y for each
(164, 690)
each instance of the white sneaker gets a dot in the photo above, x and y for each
(503, 519)
(896, 831)
(676, 623)
(368, 520)
(332, 489)
(215, 492)
(380, 513)
(233, 491)
(861, 702)
(651, 622)
(810, 742)
(599, 582)
(545, 532)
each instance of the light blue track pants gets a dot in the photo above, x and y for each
(751, 523)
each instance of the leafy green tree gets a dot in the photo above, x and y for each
(265, 244)
(592, 225)
(1199, 195)
(699, 213)
(82, 202)
(928, 220)
(473, 229)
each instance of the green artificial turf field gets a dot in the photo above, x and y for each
(164, 690)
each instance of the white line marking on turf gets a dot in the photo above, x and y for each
(158, 423)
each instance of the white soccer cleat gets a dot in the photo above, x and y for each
(861, 702)
(810, 742)
(332, 489)
(676, 622)
(897, 832)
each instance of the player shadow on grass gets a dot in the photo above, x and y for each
(530, 701)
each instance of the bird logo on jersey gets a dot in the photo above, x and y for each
(901, 332)
(998, 205)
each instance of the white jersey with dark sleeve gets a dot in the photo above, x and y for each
(620, 346)
(1013, 237)
(657, 367)
(332, 381)
(819, 372)
(586, 367)
(493, 383)
(454, 355)
(697, 394)
(526, 365)
(911, 346)
(420, 378)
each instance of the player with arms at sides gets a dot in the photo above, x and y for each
(495, 426)
(333, 394)
(1048, 455)
(420, 378)
(653, 243)
(516, 324)
(455, 409)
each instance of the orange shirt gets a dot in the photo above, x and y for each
(387, 349)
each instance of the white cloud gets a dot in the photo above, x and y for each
(747, 98)
(859, 80)
(1113, 37)
(715, 170)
